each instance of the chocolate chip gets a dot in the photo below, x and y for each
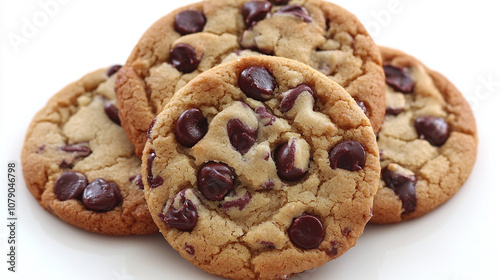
(150, 128)
(190, 127)
(285, 157)
(349, 155)
(113, 69)
(306, 231)
(189, 249)
(398, 78)
(404, 186)
(346, 231)
(70, 185)
(157, 181)
(291, 96)
(433, 129)
(137, 180)
(215, 180)
(254, 11)
(183, 58)
(240, 202)
(267, 185)
(78, 150)
(265, 116)
(362, 105)
(257, 83)
(268, 244)
(101, 196)
(184, 218)
(393, 111)
(242, 137)
(334, 250)
(279, 2)
(296, 11)
(190, 21)
(112, 112)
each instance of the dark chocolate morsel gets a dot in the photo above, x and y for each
(189, 21)
(215, 180)
(79, 150)
(404, 186)
(157, 181)
(306, 231)
(189, 249)
(112, 112)
(240, 202)
(69, 185)
(254, 11)
(398, 78)
(101, 196)
(137, 180)
(279, 2)
(190, 127)
(184, 218)
(349, 155)
(291, 96)
(433, 129)
(296, 11)
(393, 111)
(183, 58)
(335, 248)
(362, 105)
(257, 83)
(284, 156)
(264, 114)
(150, 128)
(242, 137)
(113, 69)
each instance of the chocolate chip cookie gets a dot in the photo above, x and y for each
(261, 168)
(80, 166)
(195, 38)
(428, 140)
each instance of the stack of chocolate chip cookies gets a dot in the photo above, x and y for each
(259, 137)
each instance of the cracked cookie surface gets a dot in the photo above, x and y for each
(79, 165)
(317, 33)
(261, 168)
(428, 140)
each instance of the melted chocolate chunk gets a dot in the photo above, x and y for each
(335, 246)
(242, 137)
(254, 11)
(137, 180)
(296, 11)
(348, 155)
(257, 83)
(189, 249)
(79, 150)
(101, 196)
(291, 96)
(393, 111)
(215, 180)
(190, 127)
(70, 185)
(433, 129)
(404, 186)
(279, 2)
(113, 69)
(398, 78)
(183, 58)
(362, 105)
(240, 202)
(285, 162)
(306, 231)
(157, 181)
(150, 128)
(190, 21)
(268, 244)
(112, 112)
(184, 218)
(267, 185)
(264, 114)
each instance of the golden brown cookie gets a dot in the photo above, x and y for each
(80, 166)
(428, 140)
(195, 38)
(261, 168)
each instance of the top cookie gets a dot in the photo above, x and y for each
(428, 140)
(195, 38)
(261, 168)
(80, 166)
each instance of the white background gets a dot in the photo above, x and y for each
(460, 240)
